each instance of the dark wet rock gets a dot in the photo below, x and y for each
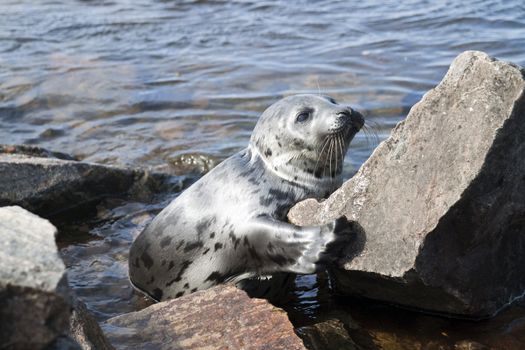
(34, 151)
(85, 330)
(48, 182)
(442, 201)
(34, 300)
(330, 334)
(222, 317)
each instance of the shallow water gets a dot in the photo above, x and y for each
(178, 86)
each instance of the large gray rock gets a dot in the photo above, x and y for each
(36, 309)
(34, 301)
(46, 182)
(441, 203)
(222, 317)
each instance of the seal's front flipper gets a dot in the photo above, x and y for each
(277, 246)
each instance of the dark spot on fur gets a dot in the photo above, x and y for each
(146, 260)
(280, 145)
(165, 241)
(179, 245)
(278, 259)
(253, 181)
(179, 294)
(234, 239)
(157, 294)
(136, 263)
(246, 242)
(268, 152)
(212, 235)
(309, 171)
(193, 245)
(295, 178)
(318, 173)
(193, 290)
(216, 276)
(172, 263)
(273, 195)
(253, 254)
(297, 143)
(270, 246)
(186, 286)
(183, 268)
(281, 211)
(204, 224)
(163, 262)
(218, 246)
(152, 279)
(246, 173)
(206, 251)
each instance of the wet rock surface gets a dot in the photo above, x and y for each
(34, 300)
(46, 182)
(85, 330)
(219, 318)
(441, 202)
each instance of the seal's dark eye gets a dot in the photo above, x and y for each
(302, 117)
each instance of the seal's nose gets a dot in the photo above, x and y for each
(357, 119)
(354, 117)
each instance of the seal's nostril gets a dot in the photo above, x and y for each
(345, 113)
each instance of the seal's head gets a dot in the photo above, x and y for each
(304, 138)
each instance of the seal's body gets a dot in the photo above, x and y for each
(230, 225)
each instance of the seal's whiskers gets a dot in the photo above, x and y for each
(320, 154)
(368, 129)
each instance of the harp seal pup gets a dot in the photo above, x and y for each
(231, 224)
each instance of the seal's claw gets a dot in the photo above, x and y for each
(344, 233)
(342, 226)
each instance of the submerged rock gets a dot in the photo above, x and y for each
(34, 301)
(47, 182)
(441, 203)
(222, 317)
(329, 334)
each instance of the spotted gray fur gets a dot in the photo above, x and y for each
(230, 225)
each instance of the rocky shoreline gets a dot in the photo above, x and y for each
(440, 204)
